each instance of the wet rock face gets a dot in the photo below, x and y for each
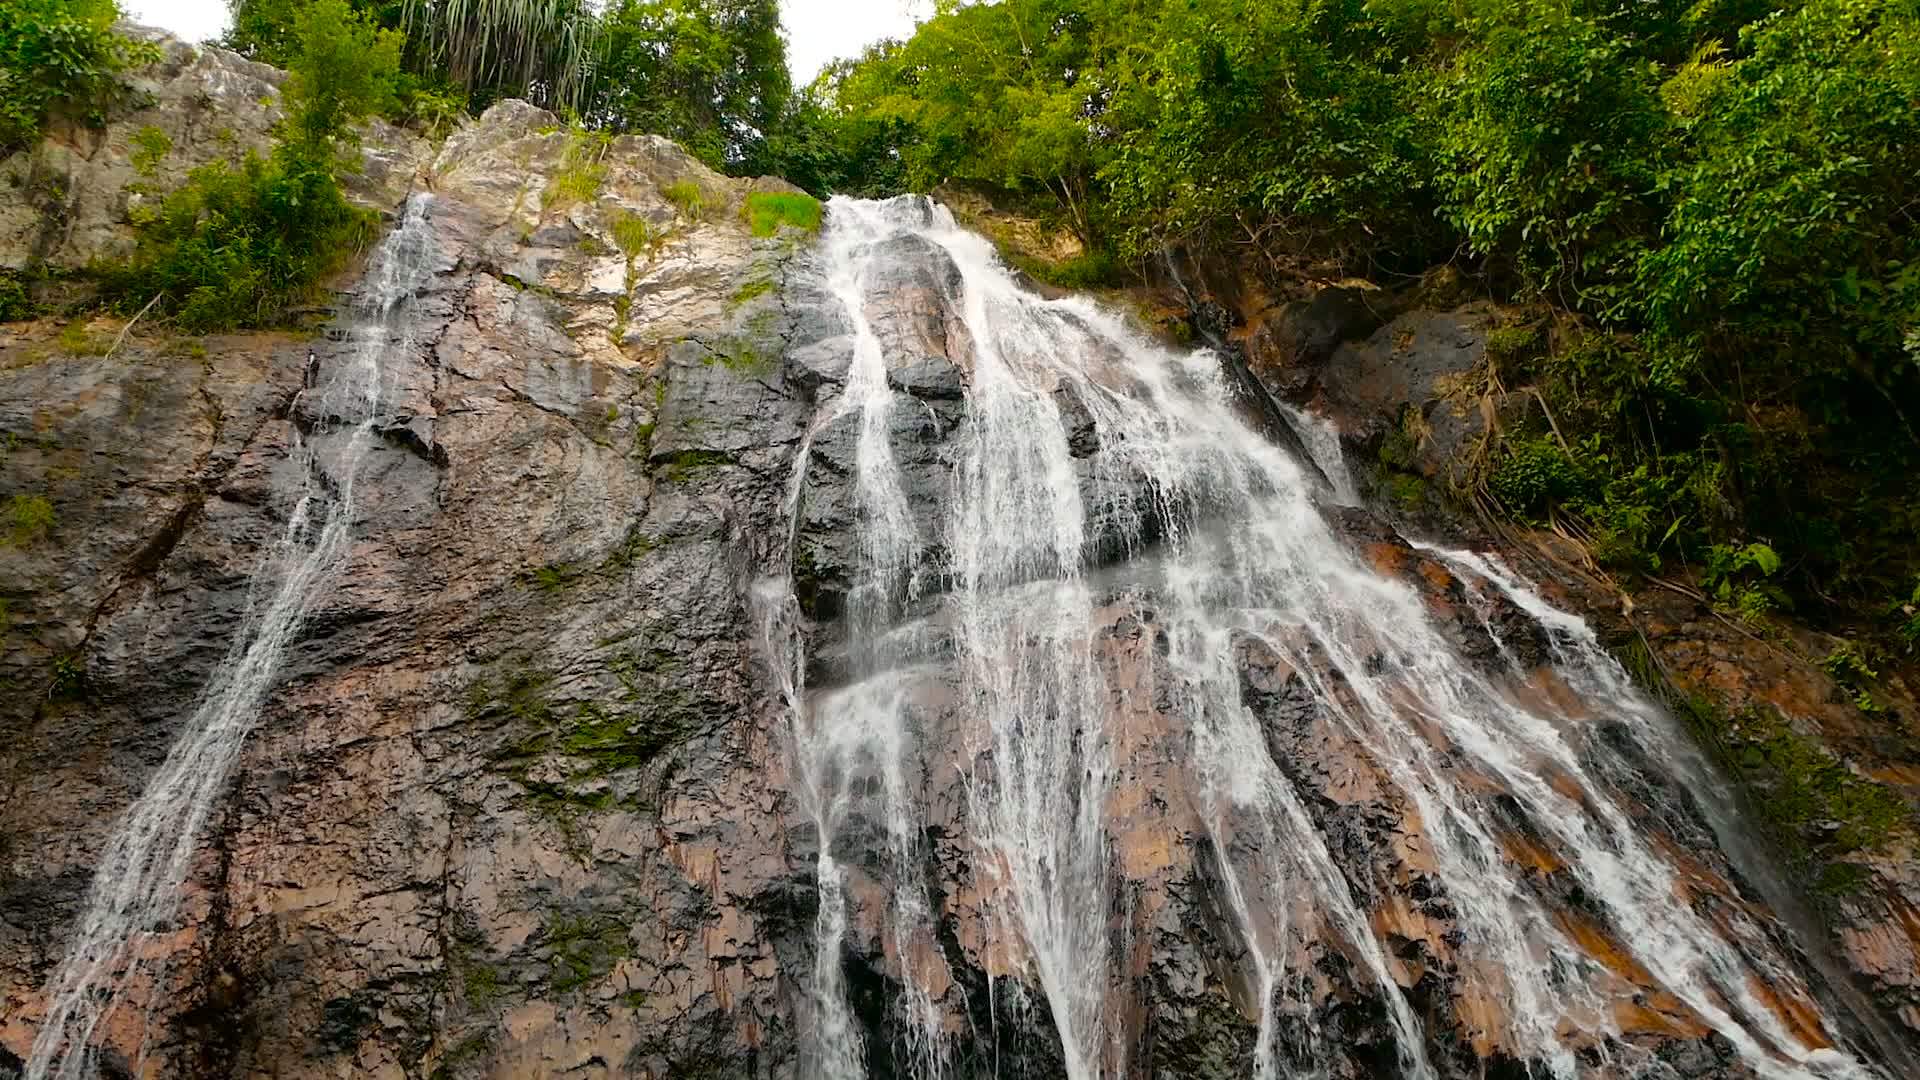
(524, 802)
(509, 811)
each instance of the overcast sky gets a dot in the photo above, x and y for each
(817, 30)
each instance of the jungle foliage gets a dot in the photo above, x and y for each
(709, 74)
(59, 55)
(240, 242)
(1713, 205)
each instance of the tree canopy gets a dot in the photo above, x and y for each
(1709, 211)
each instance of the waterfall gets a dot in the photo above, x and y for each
(996, 586)
(136, 886)
(1322, 442)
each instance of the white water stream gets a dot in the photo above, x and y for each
(136, 887)
(1233, 551)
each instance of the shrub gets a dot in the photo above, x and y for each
(16, 300)
(1533, 474)
(59, 54)
(242, 241)
(238, 244)
(767, 212)
(150, 147)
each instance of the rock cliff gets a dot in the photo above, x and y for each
(526, 801)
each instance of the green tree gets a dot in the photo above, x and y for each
(826, 147)
(710, 74)
(541, 50)
(1551, 134)
(344, 72)
(1289, 126)
(264, 30)
(1009, 94)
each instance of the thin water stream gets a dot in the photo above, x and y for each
(135, 894)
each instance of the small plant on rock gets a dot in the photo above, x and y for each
(582, 171)
(686, 197)
(768, 212)
(150, 147)
(1736, 576)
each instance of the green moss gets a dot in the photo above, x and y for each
(591, 740)
(480, 982)
(634, 547)
(1397, 449)
(679, 466)
(767, 212)
(550, 578)
(467, 1051)
(519, 695)
(29, 519)
(750, 290)
(583, 949)
(1409, 492)
(1818, 811)
(1513, 344)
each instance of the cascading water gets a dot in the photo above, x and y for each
(1226, 549)
(136, 887)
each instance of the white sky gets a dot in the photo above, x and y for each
(817, 30)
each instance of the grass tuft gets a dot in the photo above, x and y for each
(767, 212)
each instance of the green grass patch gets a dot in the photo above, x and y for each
(1089, 270)
(78, 339)
(686, 197)
(635, 235)
(767, 212)
(582, 171)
